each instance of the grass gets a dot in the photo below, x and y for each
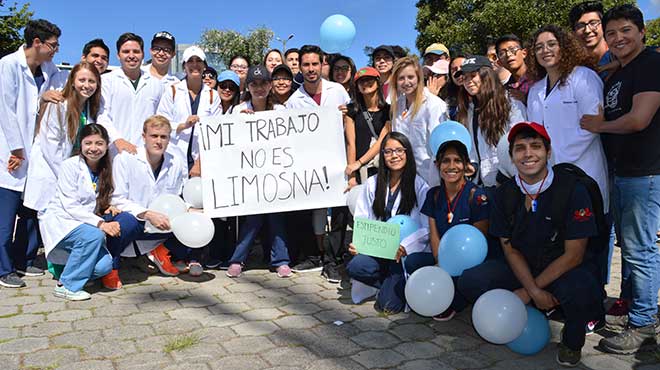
(181, 342)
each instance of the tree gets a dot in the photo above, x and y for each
(11, 22)
(653, 32)
(467, 25)
(222, 45)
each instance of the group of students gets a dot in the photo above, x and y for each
(85, 153)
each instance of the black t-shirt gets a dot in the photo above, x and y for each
(636, 154)
(362, 132)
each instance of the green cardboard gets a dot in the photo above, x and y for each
(376, 238)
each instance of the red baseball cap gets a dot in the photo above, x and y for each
(366, 72)
(538, 128)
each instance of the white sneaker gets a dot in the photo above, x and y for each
(62, 292)
(361, 291)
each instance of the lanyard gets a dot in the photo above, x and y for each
(391, 198)
(83, 122)
(450, 208)
(95, 179)
(535, 197)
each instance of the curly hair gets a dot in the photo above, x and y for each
(491, 105)
(573, 54)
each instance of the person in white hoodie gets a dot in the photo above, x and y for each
(487, 110)
(415, 112)
(74, 234)
(24, 74)
(396, 190)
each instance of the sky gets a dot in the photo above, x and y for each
(376, 21)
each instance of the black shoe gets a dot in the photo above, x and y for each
(568, 357)
(31, 271)
(308, 265)
(595, 326)
(331, 273)
(12, 281)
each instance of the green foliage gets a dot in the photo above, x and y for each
(653, 32)
(12, 21)
(222, 45)
(468, 25)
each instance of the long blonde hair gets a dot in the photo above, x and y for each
(419, 91)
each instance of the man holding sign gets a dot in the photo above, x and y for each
(396, 190)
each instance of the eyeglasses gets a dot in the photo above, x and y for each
(398, 151)
(552, 44)
(281, 78)
(593, 24)
(159, 49)
(208, 75)
(386, 58)
(341, 68)
(239, 67)
(53, 46)
(505, 52)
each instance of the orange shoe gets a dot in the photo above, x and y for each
(111, 281)
(161, 258)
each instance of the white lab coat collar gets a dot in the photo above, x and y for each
(326, 86)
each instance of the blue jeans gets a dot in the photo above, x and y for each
(88, 258)
(279, 254)
(22, 251)
(637, 200)
(131, 231)
(387, 276)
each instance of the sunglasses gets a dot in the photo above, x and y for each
(209, 75)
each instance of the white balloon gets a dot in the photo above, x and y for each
(192, 192)
(168, 204)
(499, 316)
(429, 291)
(194, 230)
(352, 197)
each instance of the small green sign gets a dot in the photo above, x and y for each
(376, 238)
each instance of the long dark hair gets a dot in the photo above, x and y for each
(406, 186)
(360, 105)
(491, 106)
(351, 65)
(105, 185)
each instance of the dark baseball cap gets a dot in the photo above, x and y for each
(473, 63)
(538, 128)
(386, 48)
(164, 35)
(282, 67)
(258, 72)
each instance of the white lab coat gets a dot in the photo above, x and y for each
(19, 105)
(51, 147)
(490, 163)
(332, 95)
(560, 113)
(125, 108)
(72, 205)
(415, 242)
(175, 106)
(167, 80)
(136, 187)
(418, 130)
(58, 81)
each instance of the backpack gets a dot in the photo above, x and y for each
(566, 176)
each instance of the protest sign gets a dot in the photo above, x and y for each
(273, 161)
(376, 238)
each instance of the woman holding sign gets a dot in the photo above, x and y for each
(396, 190)
(455, 201)
(258, 98)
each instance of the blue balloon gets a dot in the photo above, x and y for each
(449, 131)
(535, 336)
(337, 33)
(462, 247)
(406, 224)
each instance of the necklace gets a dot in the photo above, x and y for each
(535, 197)
(450, 208)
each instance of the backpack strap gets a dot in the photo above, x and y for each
(509, 199)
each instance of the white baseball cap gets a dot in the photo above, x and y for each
(193, 51)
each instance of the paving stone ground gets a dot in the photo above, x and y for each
(258, 321)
